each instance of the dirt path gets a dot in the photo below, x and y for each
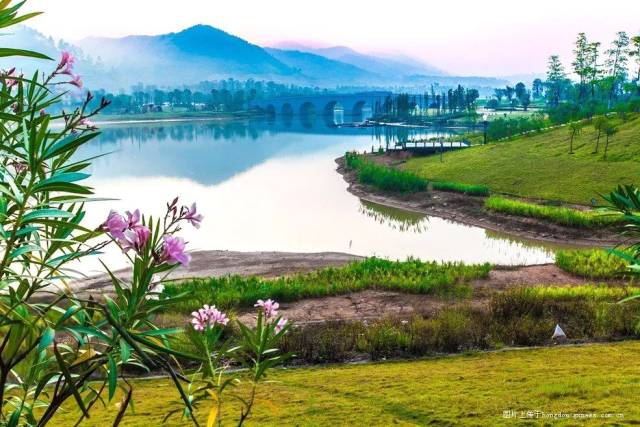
(470, 210)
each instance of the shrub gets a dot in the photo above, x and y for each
(558, 215)
(384, 178)
(413, 276)
(515, 317)
(591, 263)
(456, 187)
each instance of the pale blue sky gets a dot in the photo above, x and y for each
(492, 37)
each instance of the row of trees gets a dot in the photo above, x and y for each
(220, 96)
(515, 96)
(602, 77)
(404, 105)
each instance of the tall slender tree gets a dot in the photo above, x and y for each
(595, 71)
(617, 58)
(580, 64)
(555, 80)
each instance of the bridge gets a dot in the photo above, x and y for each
(354, 105)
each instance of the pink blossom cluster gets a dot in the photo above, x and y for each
(270, 310)
(11, 78)
(208, 316)
(65, 66)
(129, 232)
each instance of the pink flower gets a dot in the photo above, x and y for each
(66, 61)
(193, 216)
(135, 238)
(208, 316)
(86, 122)
(133, 218)
(115, 225)
(269, 307)
(173, 251)
(75, 81)
(280, 325)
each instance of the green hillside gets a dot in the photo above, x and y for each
(540, 166)
(486, 389)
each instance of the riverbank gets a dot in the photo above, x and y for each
(470, 210)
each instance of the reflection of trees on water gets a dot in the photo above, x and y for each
(390, 136)
(396, 219)
(548, 247)
(180, 132)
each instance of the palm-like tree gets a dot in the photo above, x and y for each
(609, 131)
(599, 124)
(575, 128)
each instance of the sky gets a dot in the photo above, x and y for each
(462, 37)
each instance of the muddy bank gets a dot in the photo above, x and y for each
(470, 210)
(375, 304)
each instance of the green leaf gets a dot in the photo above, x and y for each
(113, 377)
(5, 51)
(23, 250)
(65, 177)
(46, 213)
(46, 339)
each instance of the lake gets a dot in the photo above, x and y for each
(273, 186)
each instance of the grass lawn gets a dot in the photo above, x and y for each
(540, 166)
(459, 390)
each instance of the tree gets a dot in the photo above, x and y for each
(617, 58)
(499, 93)
(508, 93)
(610, 130)
(574, 129)
(599, 123)
(521, 89)
(635, 54)
(525, 100)
(537, 87)
(594, 71)
(555, 80)
(581, 63)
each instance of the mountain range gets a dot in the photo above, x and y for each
(203, 52)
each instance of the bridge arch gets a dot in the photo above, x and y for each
(287, 109)
(307, 108)
(270, 110)
(358, 108)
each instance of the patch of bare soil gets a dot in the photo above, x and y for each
(470, 210)
(375, 304)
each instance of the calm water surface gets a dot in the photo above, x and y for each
(273, 187)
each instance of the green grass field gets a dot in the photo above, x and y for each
(539, 165)
(460, 390)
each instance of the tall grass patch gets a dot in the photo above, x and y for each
(457, 187)
(556, 214)
(591, 263)
(384, 178)
(411, 276)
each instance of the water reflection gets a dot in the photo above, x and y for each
(397, 219)
(271, 185)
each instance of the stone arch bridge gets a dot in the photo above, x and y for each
(354, 104)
